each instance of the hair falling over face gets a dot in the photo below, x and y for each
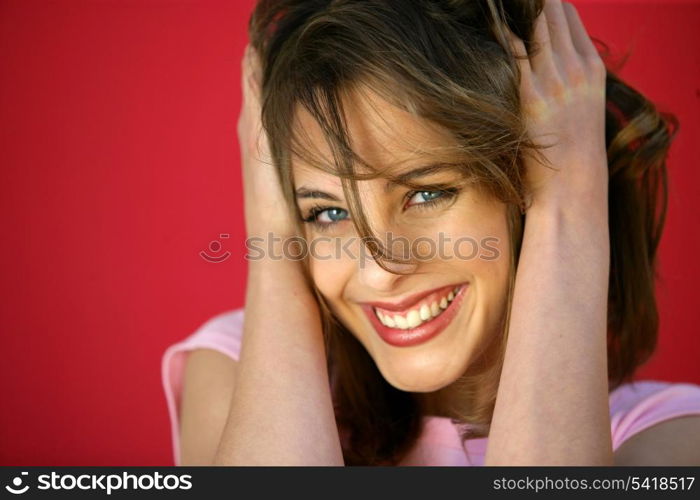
(447, 62)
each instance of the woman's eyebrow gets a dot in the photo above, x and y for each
(401, 179)
(304, 192)
(424, 171)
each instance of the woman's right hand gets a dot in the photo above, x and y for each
(562, 92)
(281, 380)
(266, 210)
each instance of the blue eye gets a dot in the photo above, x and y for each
(331, 215)
(324, 217)
(425, 196)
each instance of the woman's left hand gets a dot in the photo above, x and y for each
(554, 381)
(562, 92)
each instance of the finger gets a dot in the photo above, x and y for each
(250, 76)
(520, 52)
(244, 71)
(255, 68)
(245, 77)
(541, 56)
(558, 28)
(582, 42)
(255, 73)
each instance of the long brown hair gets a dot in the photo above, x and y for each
(446, 62)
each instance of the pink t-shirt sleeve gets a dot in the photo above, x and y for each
(222, 333)
(637, 406)
(634, 406)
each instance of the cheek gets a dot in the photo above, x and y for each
(480, 250)
(477, 236)
(330, 268)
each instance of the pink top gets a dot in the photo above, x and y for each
(633, 406)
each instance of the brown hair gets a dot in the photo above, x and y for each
(448, 63)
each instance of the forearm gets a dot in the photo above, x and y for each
(281, 410)
(552, 403)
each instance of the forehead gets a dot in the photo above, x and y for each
(384, 135)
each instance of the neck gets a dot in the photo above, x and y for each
(455, 401)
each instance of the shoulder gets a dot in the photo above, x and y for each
(656, 423)
(223, 333)
(208, 372)
(208, 384)
(672, 442)
(208, 367)
(199, 373)
(226, 327)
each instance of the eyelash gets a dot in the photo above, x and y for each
(315, 211)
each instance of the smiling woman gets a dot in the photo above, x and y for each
(424, 322)
(441, 122)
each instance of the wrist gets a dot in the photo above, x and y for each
(581, 205)
(265, 217)
(581, 188)
(573, 231)
(271, 279)
(275, 251)
(576, 217)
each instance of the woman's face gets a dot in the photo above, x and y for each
(426, 328)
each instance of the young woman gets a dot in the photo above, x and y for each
(444, 123)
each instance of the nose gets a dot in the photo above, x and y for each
(372, 275)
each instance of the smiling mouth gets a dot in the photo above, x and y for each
(420, 322)
(423, 312)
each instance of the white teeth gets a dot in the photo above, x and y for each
(416, 317)
(401, 322)
(413, 319)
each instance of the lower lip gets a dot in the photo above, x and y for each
(423, 332)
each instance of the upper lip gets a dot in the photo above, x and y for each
(409, 300)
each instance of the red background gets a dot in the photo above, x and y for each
(119, 164)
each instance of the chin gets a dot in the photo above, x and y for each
(421, 378)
